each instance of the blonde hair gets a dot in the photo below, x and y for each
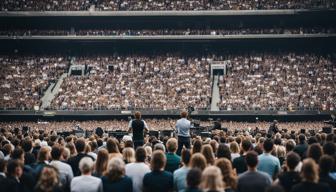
(115, 169)
(212, 179)
(171, 145)
(281, 151)
(129, 155)
(234, 147)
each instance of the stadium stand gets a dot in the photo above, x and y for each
(142, 5)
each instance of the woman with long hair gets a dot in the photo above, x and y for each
(101, 162)
(48, 180)
(128, 155)
(212, 179)
(208, 154)
(229, 176)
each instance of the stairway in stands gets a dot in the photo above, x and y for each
(215, 99)
(52, 91)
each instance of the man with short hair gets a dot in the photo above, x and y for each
(173, 160)
(13, 182)
(136, 171)
(86, 182)
(27, 146)
(302, 147)
(158, 179)
(290, 177)
(183, 126)
(239, 163)
(65, 171)
(253, 180)
(74, 161)
(267, 162)
(137, 127)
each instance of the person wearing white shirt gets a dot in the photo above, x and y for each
(86, 182)
(64, 169)
(136, 171)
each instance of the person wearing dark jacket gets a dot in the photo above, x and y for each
(74, 161)
(290, 177)
(12, 182)
(326, 166)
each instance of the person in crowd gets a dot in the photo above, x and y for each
(302, 147)
(112, 147)
(273, 129)
(267, 162)
(223, 151)
(193, 180)
(101, 162)
(128, 155)
(180, 174)
(49, 180)
(290, 177)
(239, 163)
(27, 178)
(310, 178)
(212, 180)
(115, 178)
(74, 161)
(137, 127)
(27, 146)
(86, 182)
(208, 154)
(42, 160)
(326, 166)
(158, 179)
(229, 176)
(234, 149)
(198, 161)
(315, 152)
(253, 180)
(137, 170)
(64, 169)
(173, 160)
(197, 146)
(183, 132)
(14, 173)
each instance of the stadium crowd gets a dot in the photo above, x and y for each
(153, 32)
(160, 82)
(255, 81)
(153, 124)
(279, 82)
(24, 79)
(159, 5)
(41, 160)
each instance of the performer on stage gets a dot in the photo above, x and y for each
(136, 127)
(183, 132)
(273, 129)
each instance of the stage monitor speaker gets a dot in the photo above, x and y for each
(117, 134)
(327, 130)
(165, 133)
(154, 133)
(205, 134)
